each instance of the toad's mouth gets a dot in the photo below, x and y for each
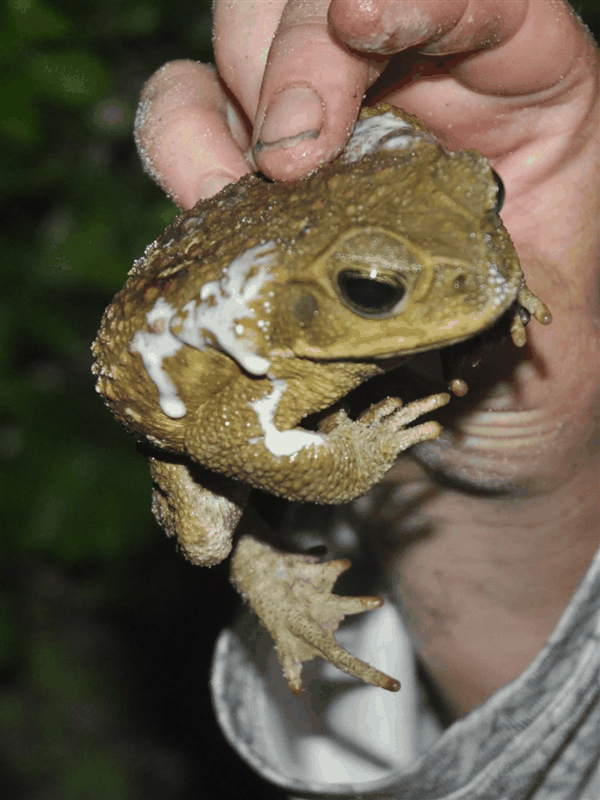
(488, 438)
(470, 366)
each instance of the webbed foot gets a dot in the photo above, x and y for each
(291, 594)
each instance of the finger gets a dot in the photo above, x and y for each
(443, 26)
(310, 95)
(466, 98)
(518, 65)
(242, 36)
(189, 138)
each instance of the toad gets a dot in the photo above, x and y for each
(266, 305)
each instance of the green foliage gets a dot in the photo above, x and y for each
(76, 211)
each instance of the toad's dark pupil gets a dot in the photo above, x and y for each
(369, 296)
(500, 192)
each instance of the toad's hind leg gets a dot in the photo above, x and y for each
(291, 594)
(200, 508)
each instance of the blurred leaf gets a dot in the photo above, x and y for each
(70, 75)
(35, 19)
(101, 768)
(20, 116)
(8, 635)
(140, 19)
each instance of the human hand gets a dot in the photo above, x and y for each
(489, 74)
(532, 110)
(518, 81)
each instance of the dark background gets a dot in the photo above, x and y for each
(106, 632)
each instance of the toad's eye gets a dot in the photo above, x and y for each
(370, 293)
(500, 192)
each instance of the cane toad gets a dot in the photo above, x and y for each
(271, 301)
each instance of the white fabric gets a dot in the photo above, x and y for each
(536, 739)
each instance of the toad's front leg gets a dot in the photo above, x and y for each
(341, 461)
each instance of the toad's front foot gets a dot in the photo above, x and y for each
(291, 594)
